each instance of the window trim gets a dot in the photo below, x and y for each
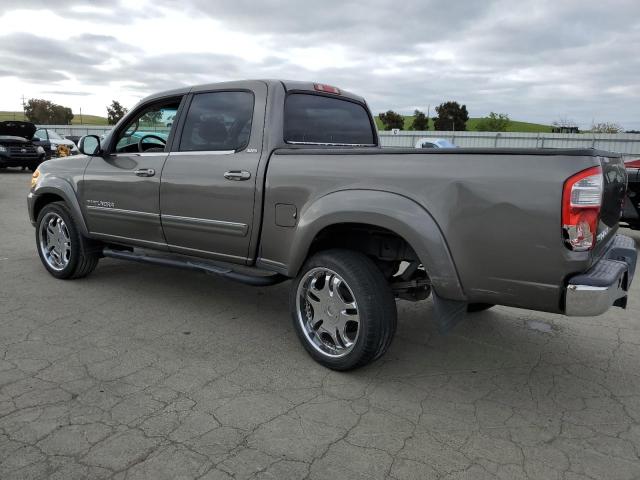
(372, 124)
(183, 122)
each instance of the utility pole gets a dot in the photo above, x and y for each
(81, 122)
(24, 107)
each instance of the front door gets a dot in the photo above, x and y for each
(121, 187)
(209, 179)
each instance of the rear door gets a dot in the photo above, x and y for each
(121, 187)
(209, 180)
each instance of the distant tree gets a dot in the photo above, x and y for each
(152, 118)
(451, 116)
(606, 127)
(115, 112)
(392, 120)
(632, 131)
(564, 125)
(495, 122)
(44, 112)
(420, 121)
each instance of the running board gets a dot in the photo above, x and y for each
(197, 265)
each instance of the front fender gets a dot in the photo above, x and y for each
(394, 212)
(55, 185)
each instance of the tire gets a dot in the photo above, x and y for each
(479, 307)
(361, 300)
(64, 252)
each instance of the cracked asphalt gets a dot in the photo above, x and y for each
(145, 372)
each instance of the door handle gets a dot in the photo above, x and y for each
(237, 175)
(145, 172)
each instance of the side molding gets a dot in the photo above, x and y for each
(394, 212)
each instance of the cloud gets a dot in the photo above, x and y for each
(537, 60)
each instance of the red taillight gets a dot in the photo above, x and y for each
(581, 202)
(633, 163)
(326, 88)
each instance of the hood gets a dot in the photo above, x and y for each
(18, 129)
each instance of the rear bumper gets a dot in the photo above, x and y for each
(606, 283)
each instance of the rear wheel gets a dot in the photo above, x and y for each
(343, 309)
(64, 252)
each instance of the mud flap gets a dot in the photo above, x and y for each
(448, 313)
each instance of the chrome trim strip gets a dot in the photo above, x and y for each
(121, 211)
(140, 154)
(221, 226)
(203, 152)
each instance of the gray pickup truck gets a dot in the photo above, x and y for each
(264, 181)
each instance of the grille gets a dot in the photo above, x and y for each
(22, 151)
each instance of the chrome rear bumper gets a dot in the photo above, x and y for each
(605, 284)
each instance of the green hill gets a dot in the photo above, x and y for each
(514, 126)
(86, 119)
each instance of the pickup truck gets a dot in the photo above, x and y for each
(266, 181)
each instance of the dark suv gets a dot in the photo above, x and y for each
(631, 212)
(16, 147)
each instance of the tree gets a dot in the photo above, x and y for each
(606, 127)
(391, 120)
(495, 122)
(420, 121)
(115, 112)
(451, 116)
(45, 112)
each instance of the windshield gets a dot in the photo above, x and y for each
(54, 135)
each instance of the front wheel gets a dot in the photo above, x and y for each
(64, 252)
(343, 309)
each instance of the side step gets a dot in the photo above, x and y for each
(196, 264)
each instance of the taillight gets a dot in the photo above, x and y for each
(581, 202)
(326, 88)
(633, 163)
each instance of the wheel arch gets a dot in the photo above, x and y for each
(56, 190)
(389, 212)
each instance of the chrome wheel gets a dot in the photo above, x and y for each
(328, 312)
(55, 241)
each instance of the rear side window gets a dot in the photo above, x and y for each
(315, 119)
(218, 121)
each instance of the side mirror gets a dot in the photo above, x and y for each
(35, 139)
(89, 145)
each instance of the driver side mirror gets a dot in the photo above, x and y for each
(89, 145)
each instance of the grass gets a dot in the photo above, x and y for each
(86, 119)
(514, 126)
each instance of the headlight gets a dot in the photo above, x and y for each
(40, 150)
(34, 177)
(3, 148)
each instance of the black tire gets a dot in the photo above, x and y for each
(376, 307)
(84, 253)
(479, 307)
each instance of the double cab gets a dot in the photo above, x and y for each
(271, 181)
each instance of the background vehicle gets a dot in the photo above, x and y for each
(263, 181)
(430, 142)
(50, 140)
(631, 211)
(16, 147)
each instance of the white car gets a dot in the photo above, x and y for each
(430, 142)
(53, 139)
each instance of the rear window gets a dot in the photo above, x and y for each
(315, 119)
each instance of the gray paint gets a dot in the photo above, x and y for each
(485, 223)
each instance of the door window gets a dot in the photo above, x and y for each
(218, 121)
(149, 130)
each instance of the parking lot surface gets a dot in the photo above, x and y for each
(147, 372)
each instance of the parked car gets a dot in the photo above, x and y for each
(430, 142)
(50, 140)
(16, 146)
(264, 181)
(631, 211)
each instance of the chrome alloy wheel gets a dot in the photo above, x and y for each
(55, 241)
(328, 312)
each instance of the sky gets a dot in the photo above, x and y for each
(536, 60)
